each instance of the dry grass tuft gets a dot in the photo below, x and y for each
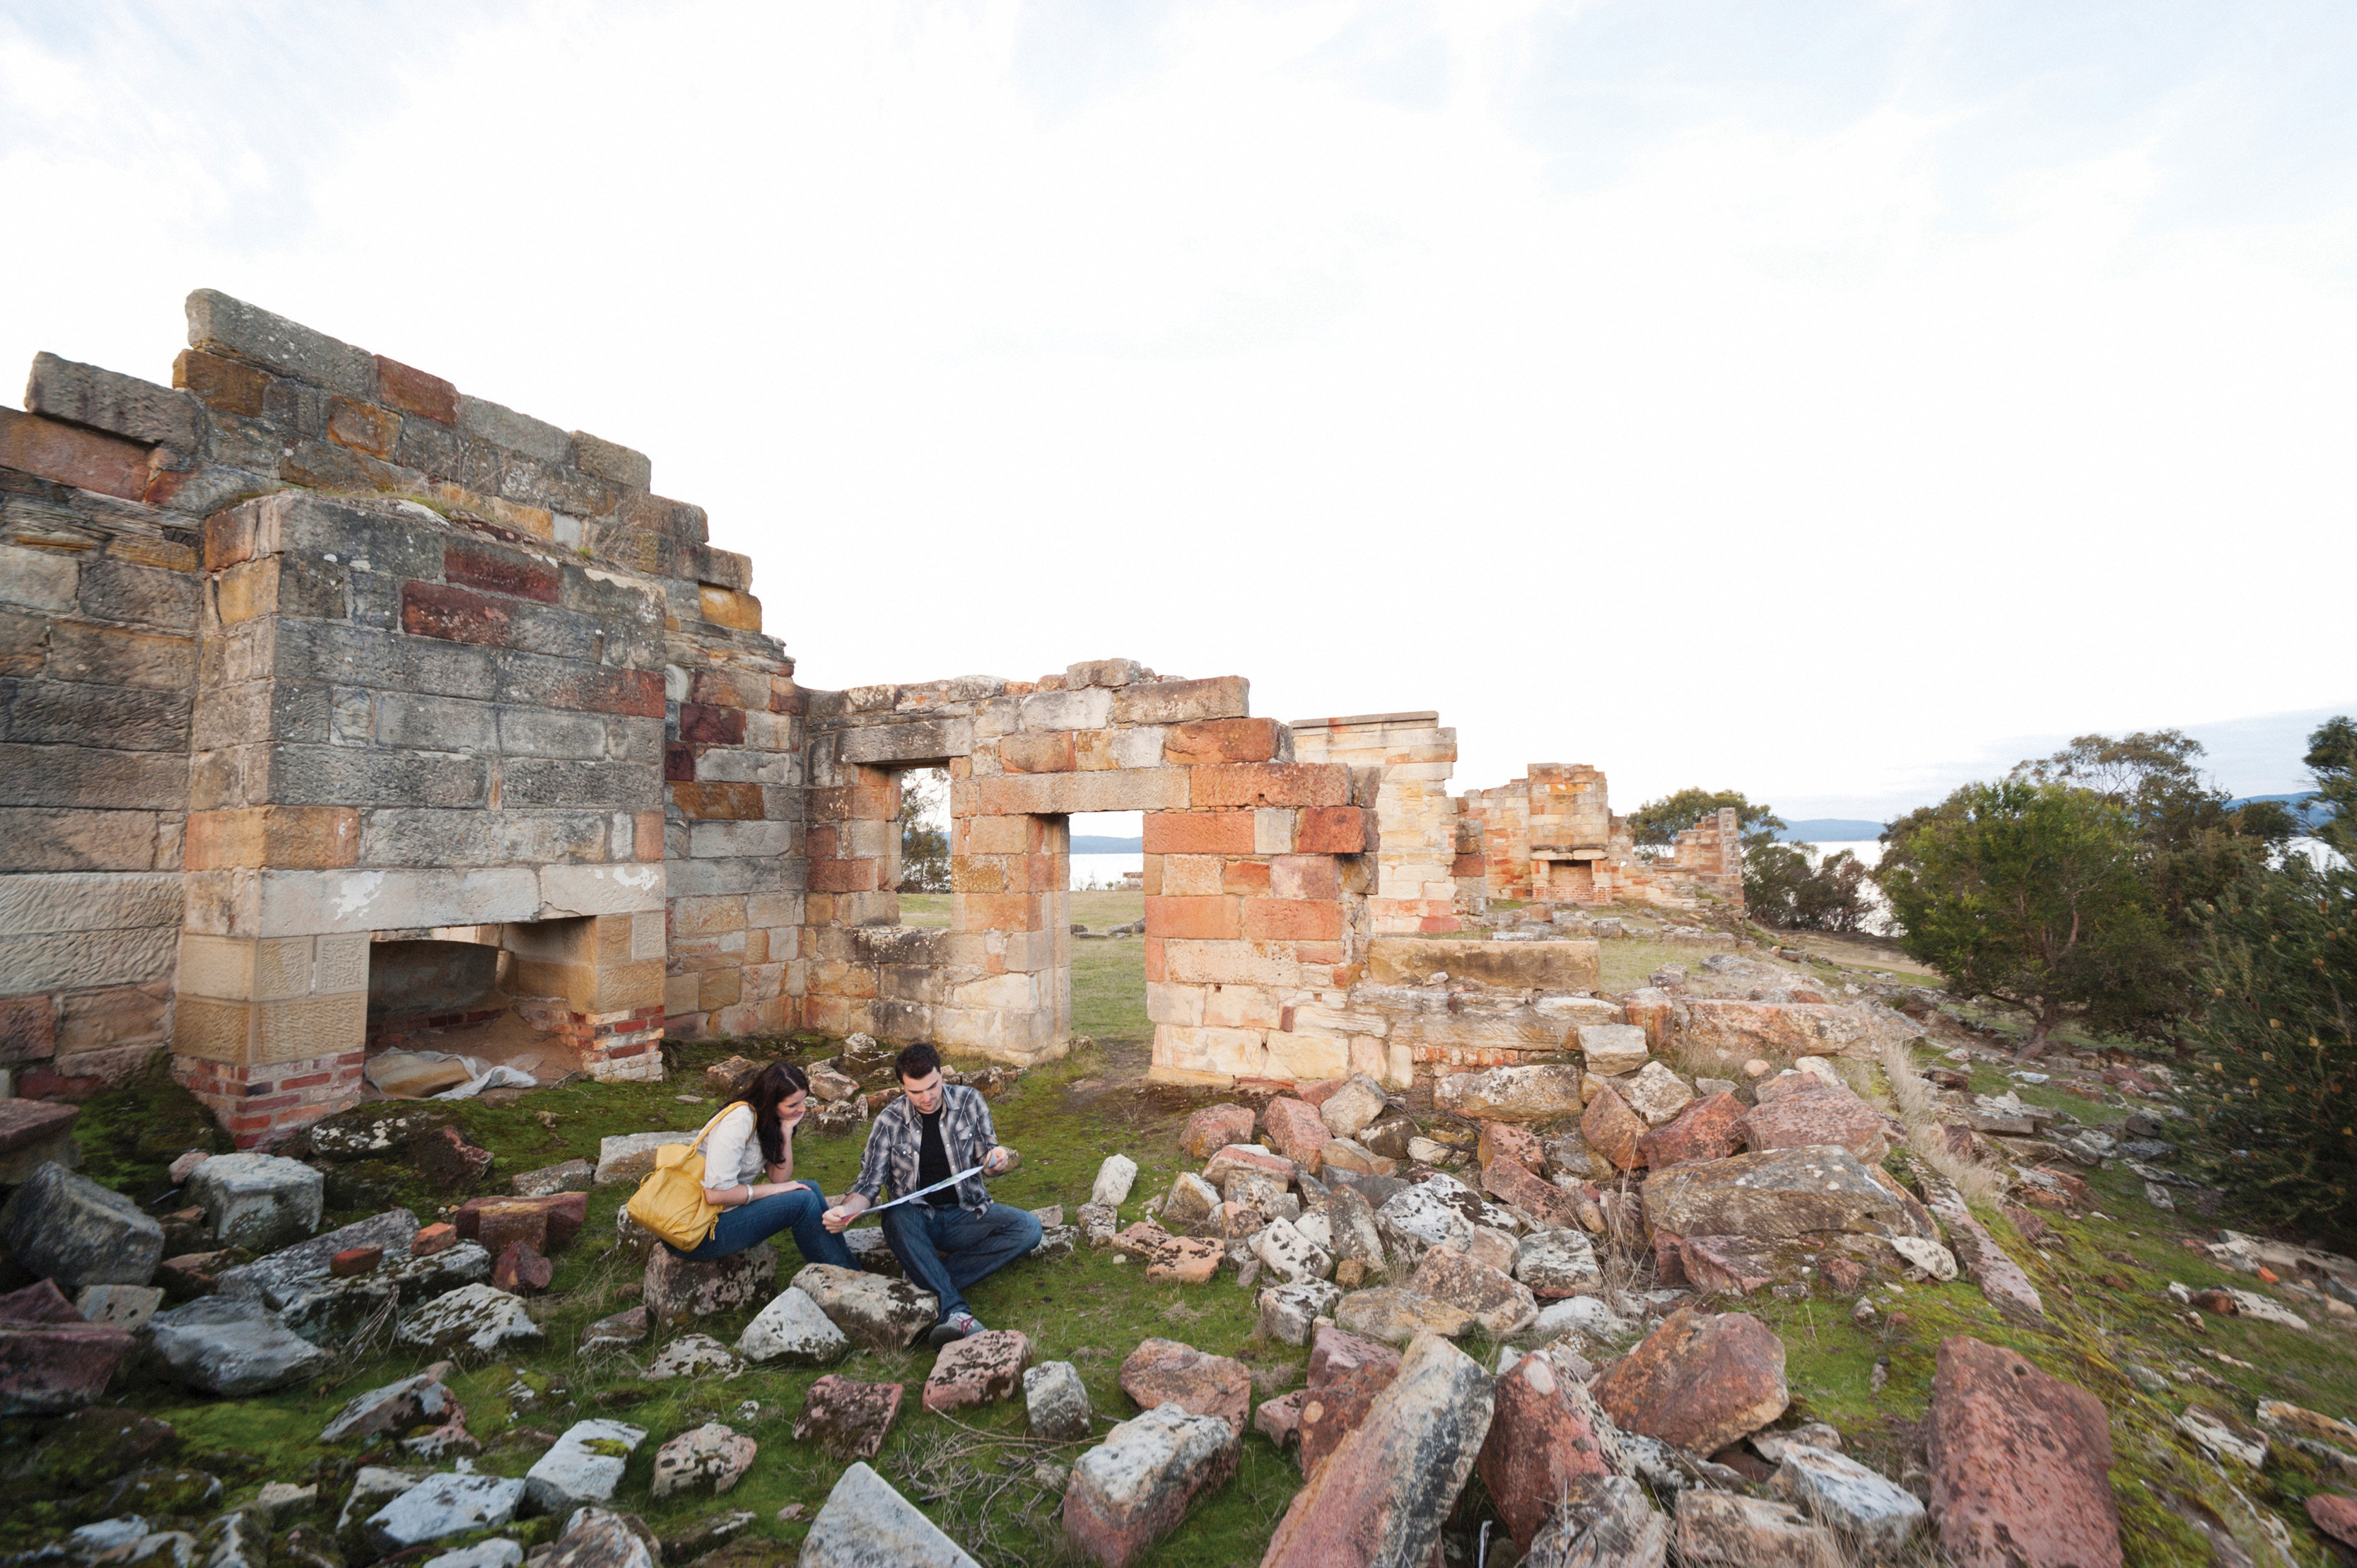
(1910, 1093)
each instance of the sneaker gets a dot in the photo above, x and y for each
(957, 1326)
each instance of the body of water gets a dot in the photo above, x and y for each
(1103, 870)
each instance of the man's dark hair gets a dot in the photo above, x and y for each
(916, 1062)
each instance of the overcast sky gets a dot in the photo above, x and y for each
(1831, 401)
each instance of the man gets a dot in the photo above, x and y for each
(947, 1240)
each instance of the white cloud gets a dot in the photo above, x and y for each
(1788, 427)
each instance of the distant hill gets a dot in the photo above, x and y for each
(1829, 830)
(1096, 843)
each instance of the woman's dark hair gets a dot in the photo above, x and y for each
(769, 1085)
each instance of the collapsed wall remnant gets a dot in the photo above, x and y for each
(310, 662)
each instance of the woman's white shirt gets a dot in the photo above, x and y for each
(732, 1154)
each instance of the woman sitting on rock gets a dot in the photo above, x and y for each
(754, 1141)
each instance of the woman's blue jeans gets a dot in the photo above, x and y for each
(796, 1209)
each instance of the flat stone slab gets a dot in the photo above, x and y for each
(792, 1330)
(848, 1420)
(872, 1311)
(442, 1505)
(1164, 1371)
(866, 1524)
(258, 1201)
(1136, 1486)
(232, 1347)
(66, 1228)
(631, 1156)
(694, 1356)
(306, 1260)
(980, 1369)
(30, 1123)
(584, 1466)
(479, 1317)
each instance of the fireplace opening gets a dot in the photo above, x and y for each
(448, 1003)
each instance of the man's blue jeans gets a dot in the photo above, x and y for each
(946, 1250)
(796, 1209)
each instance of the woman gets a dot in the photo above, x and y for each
(752, 1141)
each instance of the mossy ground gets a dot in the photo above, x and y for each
(974, 1472)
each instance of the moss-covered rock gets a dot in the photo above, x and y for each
(92, 1447)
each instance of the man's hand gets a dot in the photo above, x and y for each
(1000, 1161)
(839, 1219)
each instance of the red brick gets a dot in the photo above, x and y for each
(1220, 740)
(679, 763)
(453, 615)
(498, 571)
(414, 391)
(1200, 918)
(1293, 919)
(72, 456)
(843, 877)
(307, 1080)
(221, 384)
(1198, 833)
(1155, 971)
(1271, 784)
(1333, 830)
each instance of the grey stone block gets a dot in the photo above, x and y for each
(529, 781)
(107, 400)
(257, 1201)
(343, 775)
(634, 739)
(917, 741)
(113, 656)
(404, 836)
(550, 732)
(436, 723)
(219, 324)
(149, 595)
(558, 485)
(502, 427)
(58, 961)
(472, 461)
(609, 460)
(51, 839)
(710, 841)
(67, 1228)
(721, 568)
(382, 660)
(92, 777)
(67, 903)
(122, 718)
(43, 580)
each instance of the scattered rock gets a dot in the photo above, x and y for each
(1558, 1263)
(1236, 1158)
(1164, 1371)
(873, 1312)
(1780, 1194)
(1191, 1203)
(980, 1369)
(497, 1552)
(232, 1347)
(1415, 1220)
(1395, 1316)
(1709, 1129)
(631, 1156)
(1347, 1371)
(1613, 1049)
(1927, 1256)
(866, 1524)
(1349, 1110)
(2020, 1463)
(791, 1329)
(573, 1175)
(1609, 1129)
(694, 1356)
(479, 1317)
(1115, 1178)
(2335, 1515)
(680, 1288)
(1604, 1521)
(1279, 1419)
(1875, 1516)
(1383, 1494)
(1745, 1532)
(1056, 1402)
(260, 1202)
(127, 1307)
(1349, 1154)
(1296, 1130)
(1495, 1301)
(1698, 1382)
(1814, 1115)
(1290, 1312)
(442, 1505)
(1213, 1128)
(64, 1227)
(1510, 1093)
(848, 1420)
(623, 1328)
(710, 1458)
(1098, 1223)
(1657, 1094)
(433, 1239)
(1510, 1181)
(1387, 1136)
(284, 1274)
(1136, 1486)
(522, 1270)
(2225, 1435)
(546, 1222)
(91, 1448)
(706, 1537)
(449, 1159)
(594, 1538)
(1289, 1254)
(584, 1466)
(1351, 1225)
(1546, 1429)
(419, 1400)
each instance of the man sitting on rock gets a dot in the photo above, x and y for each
(947, 1240)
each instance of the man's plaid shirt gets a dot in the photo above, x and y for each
(898, 1135)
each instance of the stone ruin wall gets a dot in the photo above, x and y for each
(309, 650)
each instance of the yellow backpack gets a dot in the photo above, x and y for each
(670, 1202)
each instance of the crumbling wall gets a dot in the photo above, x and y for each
(1415, 889)
(1551, 837)
(310, 645)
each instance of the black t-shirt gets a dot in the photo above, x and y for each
(934, 1162)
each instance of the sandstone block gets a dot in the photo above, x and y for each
(1164, 1371)
(1136, 1486)
(711, 1459)
(1297, 1129)
(865, 1524)
(1698, 1382)
(1396, 1316)
(1498, 1304)
(2020, 1463)
(1519, 1094)
(1817, 1115)
(1875, 1515)
(1611, 1049)
(1783, 1193)
(68, 1228)
(1655, 1093)
(848, 1420)
(1715, 1528)
(1546, 1430)
(1056, 1402)
(874, 1311)
(977, 1369)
